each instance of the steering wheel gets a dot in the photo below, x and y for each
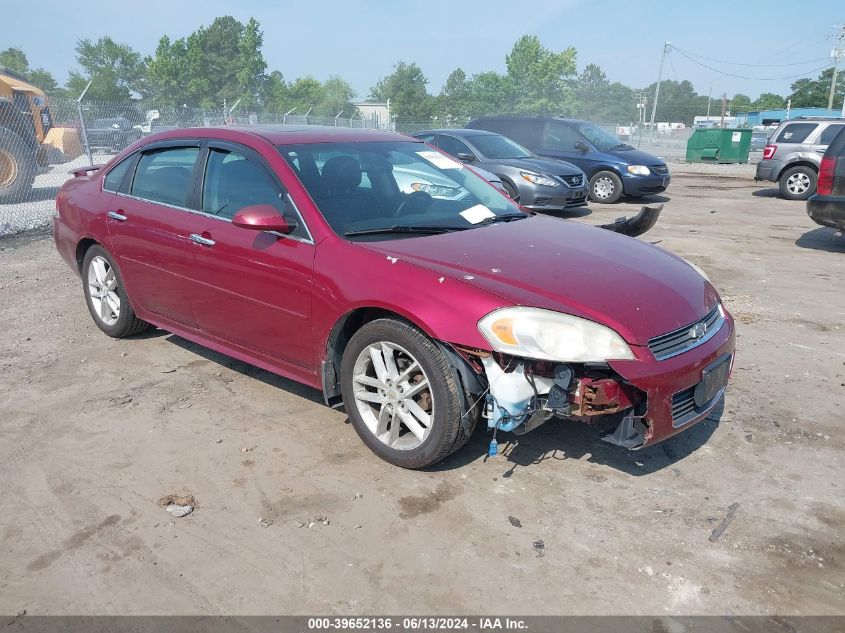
(414, 203)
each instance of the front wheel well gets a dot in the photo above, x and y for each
(81, 249)
(338, 339)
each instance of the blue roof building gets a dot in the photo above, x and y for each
(767, 117)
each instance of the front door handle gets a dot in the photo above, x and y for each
(114, 215)
(199, 239)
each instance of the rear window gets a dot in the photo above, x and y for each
(165, 175)
(829, 133)
(796, 132)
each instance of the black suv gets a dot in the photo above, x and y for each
(827, 206)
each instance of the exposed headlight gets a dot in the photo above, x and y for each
(639, 170)
(547, 335)
(438, 191)
(537, 179)
(697, 269)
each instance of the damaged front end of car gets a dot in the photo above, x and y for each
(518, 395)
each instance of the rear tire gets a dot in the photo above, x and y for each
(605, 186)
(106, 296)
(17, 167)
(427, 422)
(798, 183)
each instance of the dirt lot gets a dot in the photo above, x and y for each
(93, 432)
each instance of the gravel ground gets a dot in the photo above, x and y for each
(294, 515)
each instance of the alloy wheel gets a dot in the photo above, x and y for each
(798, 183)
(393, 395)
(102, 289)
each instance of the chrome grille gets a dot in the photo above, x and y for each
(660, 170)
(573, 181)
(685, 338)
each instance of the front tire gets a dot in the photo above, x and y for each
(605, 186)
(400, 394)
(106, 296)
(798, 183)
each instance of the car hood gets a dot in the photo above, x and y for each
(542, 165)
(638, 289)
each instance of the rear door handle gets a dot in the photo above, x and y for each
(199, 239)
(114, 215)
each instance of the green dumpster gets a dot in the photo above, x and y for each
(719, 145)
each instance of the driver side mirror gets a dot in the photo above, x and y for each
(581, 146)
(465, 157)
(263, 217)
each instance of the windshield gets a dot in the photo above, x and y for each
(601, 138)
(387, 190)
(498, 147)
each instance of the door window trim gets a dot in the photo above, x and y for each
(249, 154)
(198, 177)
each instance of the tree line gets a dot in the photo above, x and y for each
(223, 63)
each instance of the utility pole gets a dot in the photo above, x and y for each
(724, 105)
(709, 99)
(836, 53)
(666, 48)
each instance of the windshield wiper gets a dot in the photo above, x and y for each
(508, 217)
(424, 229)
(621, 146)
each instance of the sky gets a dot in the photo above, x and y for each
(361, 40)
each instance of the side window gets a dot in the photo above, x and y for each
(116, 174)
(795, 132)
(452, 145)
(232, 182)
(829, 133)
(526, 132)
(164, 175)
(561, 137)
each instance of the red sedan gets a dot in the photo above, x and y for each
(370, 266)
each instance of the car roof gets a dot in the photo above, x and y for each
(817, 118)
(283, 134)
(526, 117)
(458, 131)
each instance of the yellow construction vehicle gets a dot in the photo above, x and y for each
(25, 122)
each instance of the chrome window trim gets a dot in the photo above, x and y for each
(309, 240)
(711, 332)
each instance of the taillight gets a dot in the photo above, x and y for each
(824, 186)
(769, 151)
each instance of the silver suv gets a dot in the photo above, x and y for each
(794, 152)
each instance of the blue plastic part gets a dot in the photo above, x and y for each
(504, 420)
(494, 448)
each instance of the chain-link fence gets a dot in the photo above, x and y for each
(41, 144)
(39, 152)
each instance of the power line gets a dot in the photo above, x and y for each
(727, 74)
(724, 61)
